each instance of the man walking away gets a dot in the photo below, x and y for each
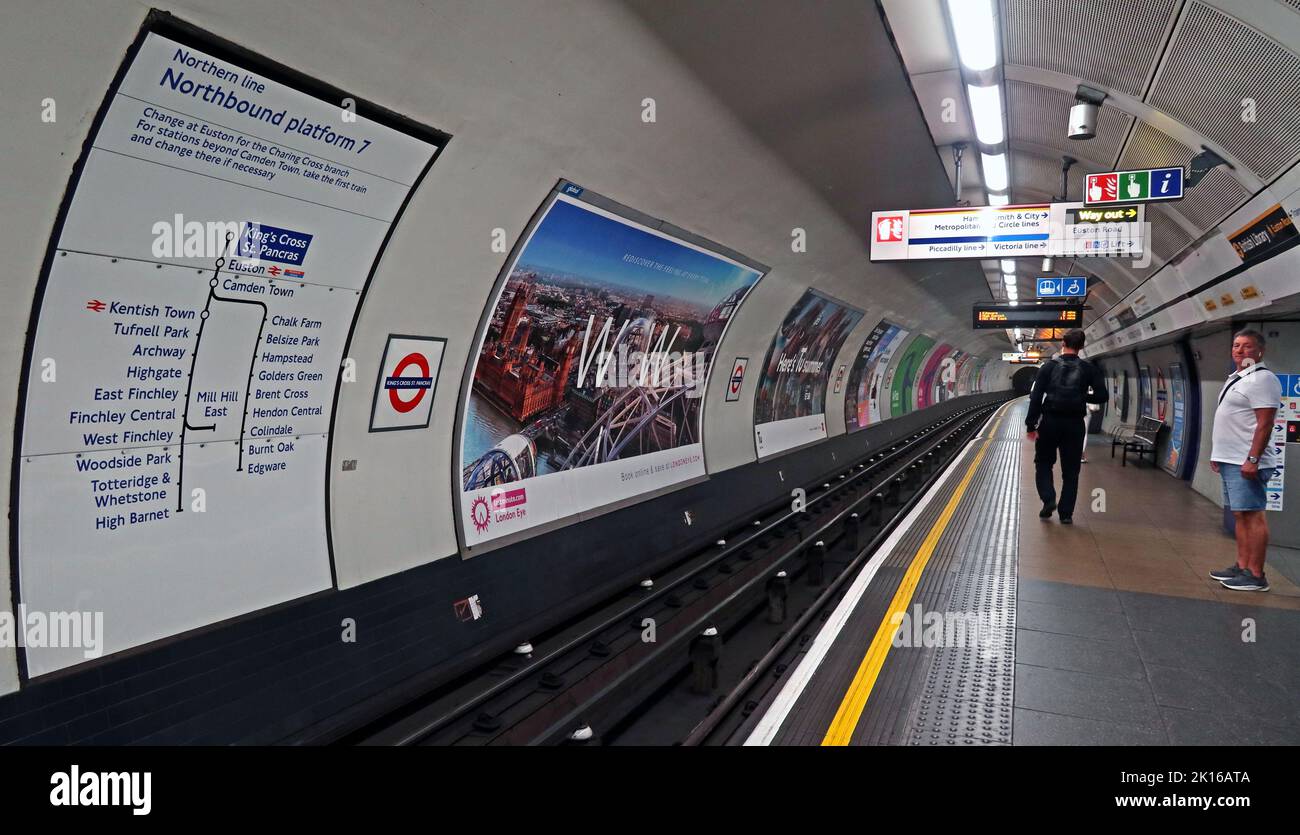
(1057, 404)
(1244, 457)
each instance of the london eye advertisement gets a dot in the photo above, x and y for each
(588, 383)
(790, 403)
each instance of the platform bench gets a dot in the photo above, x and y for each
(1144, 440)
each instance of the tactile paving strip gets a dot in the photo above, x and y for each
(969, 689)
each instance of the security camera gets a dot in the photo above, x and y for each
(1083, 116)
(1083, 120)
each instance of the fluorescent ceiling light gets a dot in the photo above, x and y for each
(995, 171)
(1009, 280)
(1014, 302)
(1017, 333)
(999, 199)
(986, 110)
(1047, 264)
(977, 39)
(1008, 266)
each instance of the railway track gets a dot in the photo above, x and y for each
(685, 656)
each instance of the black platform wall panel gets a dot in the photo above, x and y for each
(272, 675)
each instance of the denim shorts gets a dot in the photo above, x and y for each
(1241, 493)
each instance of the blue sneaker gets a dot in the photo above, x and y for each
(1246, 581)
(1227, 573)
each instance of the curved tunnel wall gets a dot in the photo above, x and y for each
(524, 109)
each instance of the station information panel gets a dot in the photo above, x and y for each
(997, 317)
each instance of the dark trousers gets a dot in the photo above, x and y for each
(1066, 434)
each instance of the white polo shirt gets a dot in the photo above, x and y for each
(1234, 419)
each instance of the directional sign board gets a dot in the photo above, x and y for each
(1039, 230)
(1065, 287)
(1141, 186)
(1021, 356)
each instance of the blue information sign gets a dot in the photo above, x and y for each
(1166, 183)
(1060, 288)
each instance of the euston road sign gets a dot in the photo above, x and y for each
(1074, 286)
(1134, 186)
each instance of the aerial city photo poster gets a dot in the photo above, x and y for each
(790, 403)
(588, 383)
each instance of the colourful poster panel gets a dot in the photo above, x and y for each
(901, 397)
(1173, 459)
(1144, 392)
(587, 385)
(931, 375)
(867, 387)
(790, 404)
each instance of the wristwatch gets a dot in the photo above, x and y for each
(1254, 459)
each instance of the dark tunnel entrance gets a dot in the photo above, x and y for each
(1023, 380)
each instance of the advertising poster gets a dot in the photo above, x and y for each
(214, 252)
(1178, 432)
(790, 405)
(1145, 400)
(948, 382)
(587, 386)
(932, 375)
(980, 374)
(1162, 395)
(867, 379)
(975, 375)
(901, 392)
(1286, 429)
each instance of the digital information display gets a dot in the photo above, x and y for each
(997, 317)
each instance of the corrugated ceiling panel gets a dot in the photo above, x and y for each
(1213, 65)
(1041, 115)
(1213, 197)
(1167, 237)
(1035, 173)
(1113, 43)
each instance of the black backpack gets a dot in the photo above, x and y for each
(1066, 389)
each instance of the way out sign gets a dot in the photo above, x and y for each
(408, 377)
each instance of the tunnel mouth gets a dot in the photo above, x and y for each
(1023, 380)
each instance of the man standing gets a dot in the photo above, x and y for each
(1244, 457)
(1057, 404)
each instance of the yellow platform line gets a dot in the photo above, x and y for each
(855, 699)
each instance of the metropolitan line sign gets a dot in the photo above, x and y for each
(1042, 230)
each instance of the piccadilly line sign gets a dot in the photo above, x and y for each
(1042, 230)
